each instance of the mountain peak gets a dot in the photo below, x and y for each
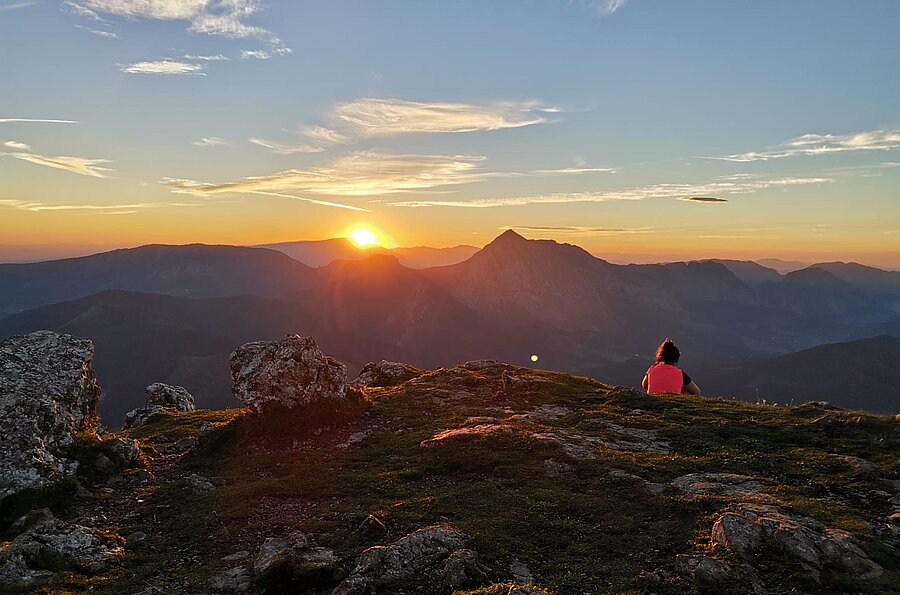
(508, 237)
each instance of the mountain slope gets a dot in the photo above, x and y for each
(561, 482)
(859, 374)
(194, 270)
(319, 253)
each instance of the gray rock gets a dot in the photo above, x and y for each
(48, 393)
(160, 397)
(744, 527)
(199, 484)
(292, 372)
(702, 570)
(167, 395)
(138, 417)
(51, 545)
(554, 468)
(429, 560)
(372, 526)
(233, 580)
(385, 373)
(296, 556)
(128, 452)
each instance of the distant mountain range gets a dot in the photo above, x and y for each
(174, 313)
(318, 253)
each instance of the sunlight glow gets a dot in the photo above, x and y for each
(364, 237)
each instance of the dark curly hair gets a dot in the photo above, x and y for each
(667, 353)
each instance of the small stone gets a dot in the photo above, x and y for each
(240, 555)
(702, 570)
(554, 468)
(234, 580)
(199, 484)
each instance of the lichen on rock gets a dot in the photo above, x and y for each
(48, 394)
(292, 372)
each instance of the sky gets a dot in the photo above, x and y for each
(641, 130)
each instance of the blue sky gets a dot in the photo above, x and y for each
(236, 121)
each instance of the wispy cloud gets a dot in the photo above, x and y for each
(285, 149)
(723, 185)
(823, 144)
(17, 146)
(35, 121)
(703, 199)
(75, 165)
(603, 7)
(367, 173)
(371, 118)
(212, 141)
(225, 18)
(582, 230)
(117, 209)
(17, 5)
(207, 58)
(100, 32)
(163, 67)
(255, 55)
(575, 170)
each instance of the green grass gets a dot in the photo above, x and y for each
(583, 531)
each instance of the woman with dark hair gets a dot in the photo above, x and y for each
(665, 377)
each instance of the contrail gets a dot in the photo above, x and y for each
(33, 120)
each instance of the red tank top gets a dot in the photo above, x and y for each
(664, 378)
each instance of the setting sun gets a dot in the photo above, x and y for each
(364, 237)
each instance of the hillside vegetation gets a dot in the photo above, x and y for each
(563, 482)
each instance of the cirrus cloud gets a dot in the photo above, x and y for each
(76, 165)
(738, 184)
(823, 144)
(164, 66)
(366, 173)
(372, 118)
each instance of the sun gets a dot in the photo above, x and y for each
(364, 237)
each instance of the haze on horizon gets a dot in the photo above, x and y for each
(638, 130)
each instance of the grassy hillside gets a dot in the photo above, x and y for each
(572, 480)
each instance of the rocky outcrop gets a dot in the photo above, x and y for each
(429, 560)
(48, 393)
(167, 395)
(744, 528)
(385, 373)
(295, 557)
(290, 373)
(160, 396)
(49, 545)
(703, 570)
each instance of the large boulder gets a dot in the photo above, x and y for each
(385, 373)
(160, 396)
(167, 395)
(430, 560)
(51, 545)
(292, 372)
(743, 528)
(48, 393)
(295, 557)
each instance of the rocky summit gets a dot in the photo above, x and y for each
(479, 479)
(48, 393)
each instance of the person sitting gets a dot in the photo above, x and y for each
(665, 377)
